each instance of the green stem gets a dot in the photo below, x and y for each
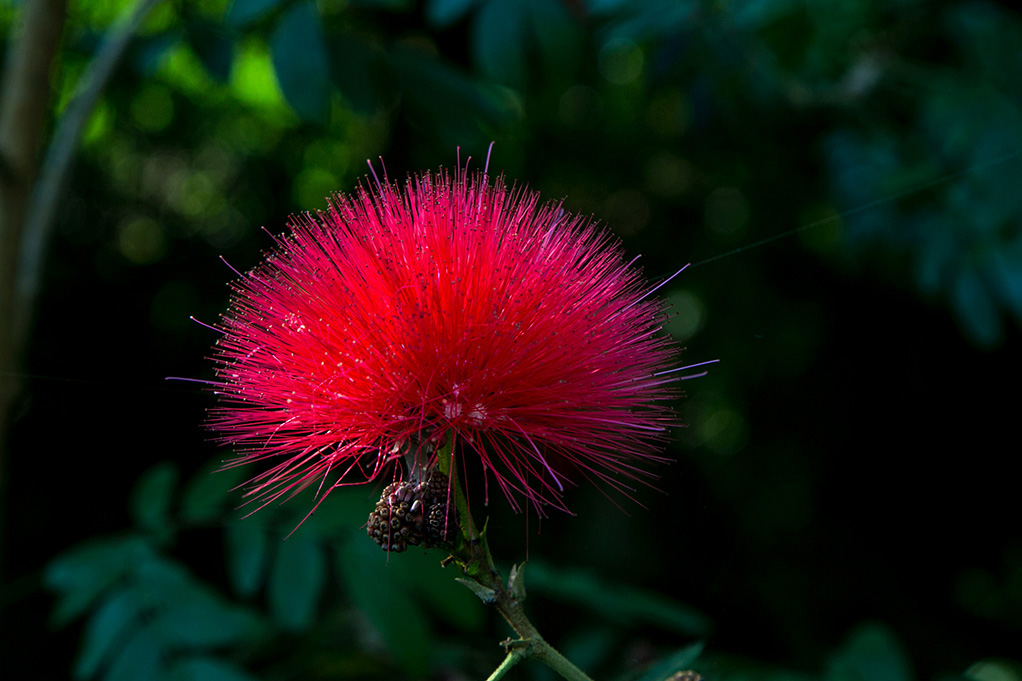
(472, 553)
(514, 656)
(445, 461)
(510, 607)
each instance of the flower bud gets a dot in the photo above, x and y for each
(413, 514)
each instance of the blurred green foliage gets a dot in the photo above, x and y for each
(844, 176)
(263, 78)
(147, 616)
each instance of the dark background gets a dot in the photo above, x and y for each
(849, 460)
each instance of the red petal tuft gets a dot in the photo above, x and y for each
(451, 307)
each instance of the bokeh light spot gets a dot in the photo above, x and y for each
(141, 240)
(195, 192)
(312, 186)
(580, 107)
(253, 79)
(724, 432)
(668, 175)
(626, 211)
(726, 212)
(686, 314)
(152, 109)
(98, 128)
(669, 113)
(224, 228)
(621, 62)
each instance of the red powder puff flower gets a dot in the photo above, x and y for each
(451, 308)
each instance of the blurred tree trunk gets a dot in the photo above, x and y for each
(24, 109)
(30, 191)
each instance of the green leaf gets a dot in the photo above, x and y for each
(485, 593)
(198, 617)
(994, 670)
(499, 40)
(360, 73)
(755, 14)
(374, 590)
(185, 613)
(138, 659)
(445, 101)
(105, 631)
(988, 35)
(247, 554)
(244, 12)
(296, 582)
(871, 653)
(214, 48)
(588, 647)
(301, 62)
(208, 492)
(936, 253)
(81, 575)
(606, 7)
(340, 511)
(443, 13)
(558, 35)
(974, 308)
(1004, 265)
(421, 575)
(618, 603)
(150, 500)
(516, 581)
(678, 661)
(391, 5)
(652, 17)
(207, 669)
(159, 579)
(149, 51)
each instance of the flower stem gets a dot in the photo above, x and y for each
(514, 656)
(472, 554)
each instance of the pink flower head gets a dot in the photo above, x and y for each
(453, 307)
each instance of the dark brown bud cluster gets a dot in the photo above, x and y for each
(413, 514)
